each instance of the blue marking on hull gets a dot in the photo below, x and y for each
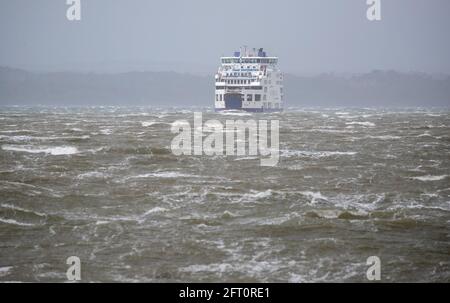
(233, 101)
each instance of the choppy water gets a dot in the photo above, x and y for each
(103, 185)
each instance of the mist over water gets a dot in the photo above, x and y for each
(102, 184)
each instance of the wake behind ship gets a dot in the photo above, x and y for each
(249, 81)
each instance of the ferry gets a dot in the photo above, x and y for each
(251, 81)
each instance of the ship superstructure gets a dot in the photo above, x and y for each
(249, 81)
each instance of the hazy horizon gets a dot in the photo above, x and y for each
(310, 37)
(211, 73)
(377, 88)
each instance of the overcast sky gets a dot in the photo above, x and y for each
(309, 36)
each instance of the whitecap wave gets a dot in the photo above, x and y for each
(148, 123)
(151, 123)
(17, 208)
(314, 196)
(4, 271)
(106, 131)
(91, 174)
(165, 174)
(430, 178)
(365, 123)
(31, 138)
(16, 138)
(315, 154)
(425, 134)
(384, 137)
(54, 151)
(14, 222)
(155, 210)
(255, 195)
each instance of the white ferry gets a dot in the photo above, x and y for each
(249, 81)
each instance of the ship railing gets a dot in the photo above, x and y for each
(233, 89)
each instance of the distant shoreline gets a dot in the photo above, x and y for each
(374, 89)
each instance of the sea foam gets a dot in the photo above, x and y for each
(54, 151)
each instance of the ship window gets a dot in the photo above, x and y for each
(257, 97)
(264, 98)
(265, 89)
(217, 97)
(220, 97)
(249, 98)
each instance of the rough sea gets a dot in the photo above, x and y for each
(103, 184)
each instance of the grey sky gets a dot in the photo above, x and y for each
(310, 36)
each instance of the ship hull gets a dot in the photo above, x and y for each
(251, 110)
